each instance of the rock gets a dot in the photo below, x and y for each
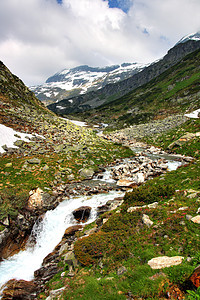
(19, 289)
(45, 168)
(82, 213)
(86, 173)
(71, 230)
(36, 161)
(121, 271)
(125, 182)
(195, 277)
(8, 165)
(196, 219)
(146, 220)
(140, 178)
(35, 199)
(55, 293)
(70, 259)
(165, 261)
(71, 177)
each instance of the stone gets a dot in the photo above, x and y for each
(8, 165)
(18, 289)
(196, 219)
(165, 262)
(72, 229)
(86, 173)
(70, 259)
(45, 168)
(55, 293)
(125, 182)
(121, 270)
(82, 213)
(146, 220)
(35, 199)
(195, 277)
(36, 161)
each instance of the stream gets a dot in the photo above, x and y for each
(48, 233)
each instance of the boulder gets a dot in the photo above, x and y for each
(86, 173)
(165, 262)
(146, 220)
(36, 161)
(196, 219)
(195, 277)
(82, 213)
(71, 230)
(125, 182)
(19, 289)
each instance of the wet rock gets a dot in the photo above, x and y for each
(19, 289)
(195, 277)
(165, 262)
(82, 213)
(72, 230)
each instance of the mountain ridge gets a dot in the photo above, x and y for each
(114, 91)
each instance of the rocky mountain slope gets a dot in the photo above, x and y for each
(114, 91)
(175, 91)
(48, 152)
(72, 82)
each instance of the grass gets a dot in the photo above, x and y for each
(125, 241)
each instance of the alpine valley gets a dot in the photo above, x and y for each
(110, 210)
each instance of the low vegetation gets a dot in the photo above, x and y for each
(114, 260)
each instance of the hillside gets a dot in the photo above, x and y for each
(114, 91)
(39, 150)
(173, 92)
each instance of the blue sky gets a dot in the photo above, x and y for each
(121, 4)
(41, 37)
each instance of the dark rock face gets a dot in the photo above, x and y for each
(19, 289)
(96, 98)
(195, 277)
(82, 213)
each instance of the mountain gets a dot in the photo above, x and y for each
(116, 90)
(175, 91)
(82, 79)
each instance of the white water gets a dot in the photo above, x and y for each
(48, 234)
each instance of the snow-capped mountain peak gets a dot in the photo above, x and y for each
(82, 79)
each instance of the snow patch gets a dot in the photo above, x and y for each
(193, 114)
(8, 138)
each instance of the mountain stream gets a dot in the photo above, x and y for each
(48, 233)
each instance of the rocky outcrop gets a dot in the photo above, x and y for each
(19, 289)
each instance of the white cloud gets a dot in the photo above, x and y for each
(40, 37)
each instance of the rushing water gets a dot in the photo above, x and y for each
(48, 234)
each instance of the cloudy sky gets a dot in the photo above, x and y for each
(40, 37)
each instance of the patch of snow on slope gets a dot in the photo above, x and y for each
(8, 137)
(193, 114)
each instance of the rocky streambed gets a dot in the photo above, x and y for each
(106, 190)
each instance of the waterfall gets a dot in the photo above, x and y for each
(47, 234)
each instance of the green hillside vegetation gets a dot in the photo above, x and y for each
(113, 261)
(49, 161)
(174, 91)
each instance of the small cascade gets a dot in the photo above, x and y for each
(47, 234)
